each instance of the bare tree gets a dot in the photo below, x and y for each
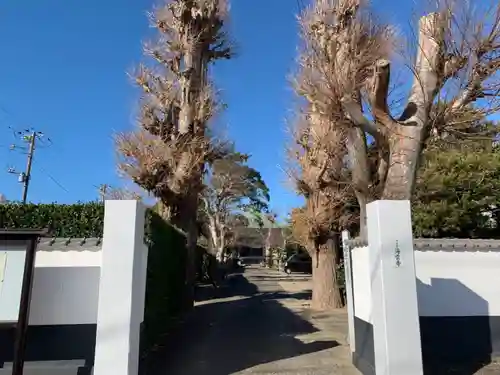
(322, 178)
(166, 155)
(320, 151)
(456, 59)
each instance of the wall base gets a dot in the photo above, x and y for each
(467, 342)
(37, 368)
(362, 364)
(364, 353)
(52, 343)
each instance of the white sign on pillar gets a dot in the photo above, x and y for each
(121, 289)
(396, 327)
(349, 288)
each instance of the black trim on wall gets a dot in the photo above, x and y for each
(466, 343)
(52, 343)
(463, 342)
(364, 354)
(362, 365)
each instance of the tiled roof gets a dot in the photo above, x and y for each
(69, 244)
(443, 244)
(454, 244)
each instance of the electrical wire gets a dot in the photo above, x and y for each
(11, 128)
(51, 177)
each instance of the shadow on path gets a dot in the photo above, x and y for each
(235, 285)
(223, 337)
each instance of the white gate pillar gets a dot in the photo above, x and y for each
(121, 289)
(396, 327)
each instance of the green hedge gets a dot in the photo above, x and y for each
(165, 283)
(63, 220)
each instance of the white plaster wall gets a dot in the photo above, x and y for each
(68, 259)
(65, 288)
(362, 283)
(462, 283)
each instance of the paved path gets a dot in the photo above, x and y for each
(257, 325)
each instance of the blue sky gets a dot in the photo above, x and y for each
(63, 72)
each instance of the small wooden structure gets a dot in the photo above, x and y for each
(22, 280)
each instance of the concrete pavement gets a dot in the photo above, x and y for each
(257, 325)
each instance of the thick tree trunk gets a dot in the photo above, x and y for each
(410, 132)
(188, 216)
(406, 147)
(326, 293)
(269, 257)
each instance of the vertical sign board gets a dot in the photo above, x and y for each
(12, 263)
(18, 248)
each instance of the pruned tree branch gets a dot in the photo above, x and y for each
(166, 155)
(380, 93)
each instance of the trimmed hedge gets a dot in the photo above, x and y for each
(63, 220)
(165, 285)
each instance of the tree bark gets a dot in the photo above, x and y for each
(268, 257)
(188, 216)
(406, 147)
(326, 293)
(360, 173)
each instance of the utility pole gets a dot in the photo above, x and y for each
(103, 189)
(25, 177)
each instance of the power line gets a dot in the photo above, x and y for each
(52, 178)
(9, 114)
(35, 140)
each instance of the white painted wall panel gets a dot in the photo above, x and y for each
(65, 295)
(65, 287)
(68, 259)
(361, 283)
(461, 283)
